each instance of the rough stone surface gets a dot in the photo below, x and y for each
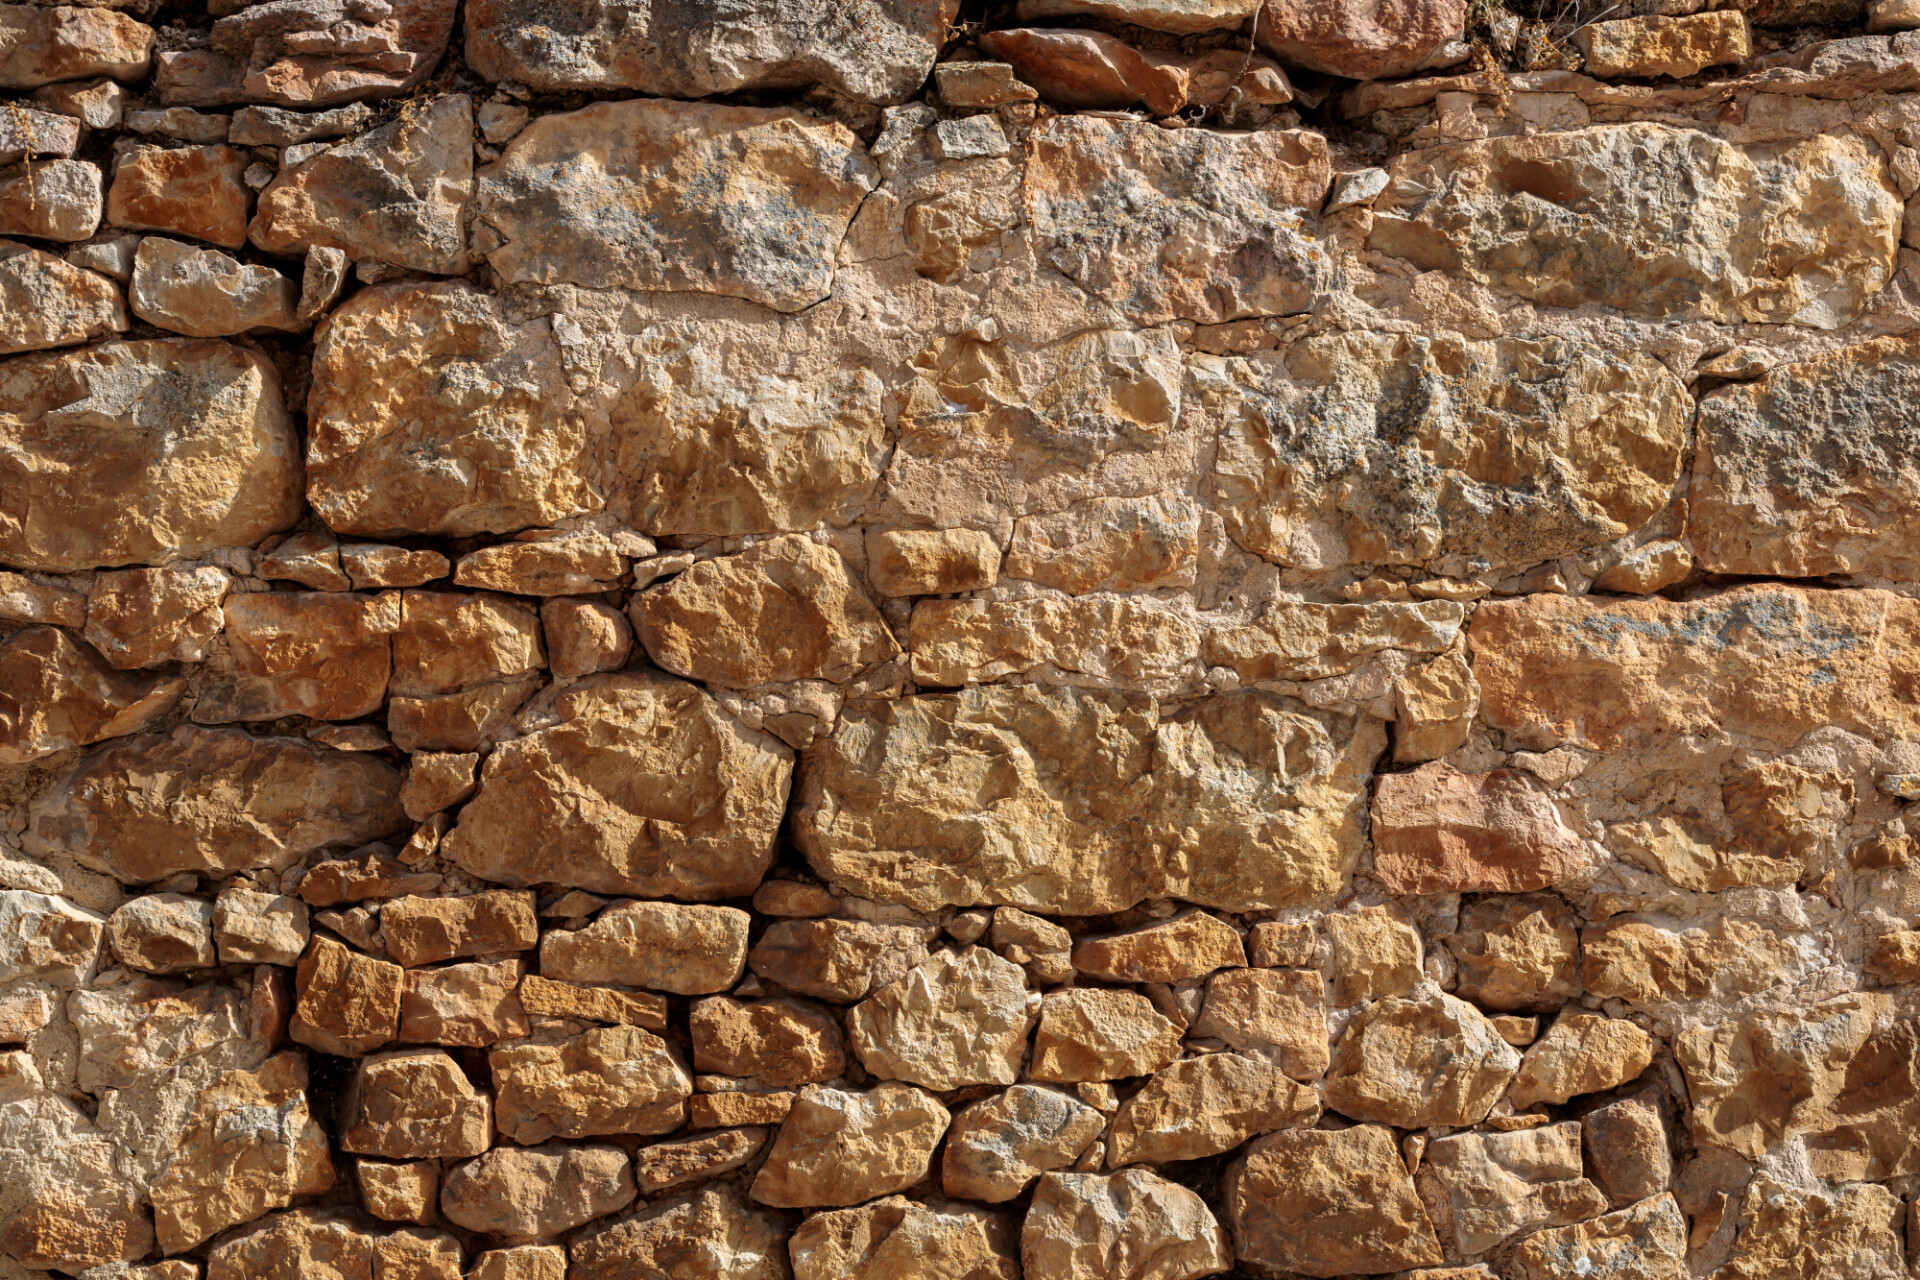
(189, 439)
(46, 303)
(706, 1235)
(959, 1019)
(607, 1080)
(1130, 1225)
(415, 1104)
(537, 1191)
(1328, 1204)
(998, 1146)
(1091, 1034)
(688, 950)
(897, 1236)
(647, 213)
(1200, 1107)
(1413, 1063)
(839, 1148)
(1484, 1188)
(1437, 830)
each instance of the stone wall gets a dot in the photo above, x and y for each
(918, 640)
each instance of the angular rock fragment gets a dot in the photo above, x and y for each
(61, 200)
(1414, 1063)
(1664, 46)
(146, 617)
(1109, 544)
(437, 781)
(349, 1004)
(187, 191)
(650, 212)
(48, 939)
(1324, 1203)
(680, 1161)
(899, 1237)
(1359, 39)
(1094, 1034)
(711, 1234)
(447, 642)
(56, 694)
(1484, 1188)
(1304, 641)
(1581, 1053)
(1637, 960)
(1602, 216)
(841, 960)
(688, 950)
(585, 636)
(785, 609)
(957, 1020)
(46, 303)
(414, 1104)
(1232, 201)
(1074, 761)
(523, 1192)
(43, 44)
(407, 375)
(1801, 473)
(1519, 952)
(1557, 671)
(463, 1004)
(375, 874)
(1626, 1144)
(137, 452)
(1131, 1225)
(1200, 1107)
(642, 785)
(162, 933)
(841, 1148)
(593, 1004)
(330, 1242)
(424, 930)
(211, 800)
(999, 1145)
(251, 1146)
(927, 562)
(780, 1043)
(394, 194)
(1434, 706)
(1437, 830)
(1376, 953)
(1275, 1015)
(1192, 944)
(67, 1205)
(1090, 69)
(602, 1081)
(1645, 1242)
(407, 1192)
(682, 49)
(544, 566)
(203, 293)
(325, 655)
(1783, 1231)
(24, 602)
(304, 55)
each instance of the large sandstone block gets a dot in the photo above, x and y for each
(528, 1192)
(1415, 1063)
(434, 411)
(1131, 1225)
(959, 1019)
(1000, 1144)
(140, 452)
(1763, 661)
(739, 201)
(642, 785)
(67, 1203)
(784, 609)
(1437, 830)
(1200, 1107)
(901, 1237)
(868, 51)
(603, 1081)
(711, 1234)
(394, 194)
(212, 800)
(1653, 220)
(1359, 39)
(688, 950)
(1807, 472)
(1187, 224)
(1101, 800)
(1326, 1203)
(840, 1148)
(45, 302)
(1537, 448)
(44, 44)
(56, 694)
(1483, 1188)
(321, 654)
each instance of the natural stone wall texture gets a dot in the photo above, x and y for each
(959, 639)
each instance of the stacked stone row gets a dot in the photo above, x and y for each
(893, 639)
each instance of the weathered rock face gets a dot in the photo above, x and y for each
(649, 213)
(1081, 437)
(1798, 233)
(212, 800)
(1328, 1204)
(1801, 473)
(840, 1148)
(1404, 449)
(684, 799)
(1413, 1063)
(138, 452)
(1602, 676)
(1203, 226)
(785, 609)
(1130, 1225)
(679, 49)
(433, 412)
(1084, 769)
